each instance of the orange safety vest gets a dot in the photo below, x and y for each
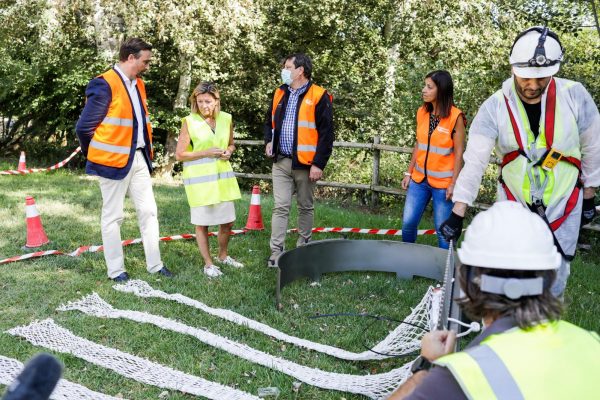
(435, 152)
(113, 138)
(308, 136)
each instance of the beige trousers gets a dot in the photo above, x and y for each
(138, 185)
(285, 182)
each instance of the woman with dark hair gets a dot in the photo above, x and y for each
(205, 145)
(437, 157)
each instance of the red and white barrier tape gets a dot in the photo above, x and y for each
(31, 255)
(93, 249)
(392, 232)
(33, 170)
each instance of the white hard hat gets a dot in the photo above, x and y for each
(536, 53)
(509, 236)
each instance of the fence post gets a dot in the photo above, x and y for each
(375, 177)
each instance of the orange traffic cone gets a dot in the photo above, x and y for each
(35, 231)
(255, 222)
(22, 166)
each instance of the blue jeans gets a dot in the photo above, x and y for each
(417, 197)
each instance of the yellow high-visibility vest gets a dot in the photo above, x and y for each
(555, 360)
(209, 180)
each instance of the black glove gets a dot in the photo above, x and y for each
(452, 227)
(588, 211)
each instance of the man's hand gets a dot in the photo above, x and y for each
(452, 227)
(436, 344)
(315, 173)
(269, 149)
(588, 211)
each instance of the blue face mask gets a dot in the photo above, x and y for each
(286, 76)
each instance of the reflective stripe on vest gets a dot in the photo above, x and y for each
(110, 148)
(209, 180)
(435, 152)
(118, 121)
(539, 184)
(307, 134)
(112, 142)
(545, 362)
(498, 376)
(438, 150)
(435, 174)
(199, 161)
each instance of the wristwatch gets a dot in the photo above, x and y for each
(421, 364)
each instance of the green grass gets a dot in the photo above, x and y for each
(70, 204)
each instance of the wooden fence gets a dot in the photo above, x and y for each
(376, 147)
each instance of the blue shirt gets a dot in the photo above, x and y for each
(286, 139)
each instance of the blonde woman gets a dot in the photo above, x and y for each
(205, 146)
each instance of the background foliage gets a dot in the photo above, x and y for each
(371, 55)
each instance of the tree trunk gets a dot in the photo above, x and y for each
(595, 14)
(390, 77)
(108, 32)
(185, 79)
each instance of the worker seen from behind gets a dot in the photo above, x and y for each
(525, 350)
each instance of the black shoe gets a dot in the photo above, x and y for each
(272, 262)
(123, 277)
(165, 272)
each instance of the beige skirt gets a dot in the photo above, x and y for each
(215, 214)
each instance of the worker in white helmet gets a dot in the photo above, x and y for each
(547, 132)
(508, 263)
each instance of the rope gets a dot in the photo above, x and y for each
(54, 337)
(405, 339)
(376, 386)
(473, 327)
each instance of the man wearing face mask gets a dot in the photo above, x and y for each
(299, 138)
(547, 131)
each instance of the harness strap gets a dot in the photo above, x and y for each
(549, 134)
(550, 111)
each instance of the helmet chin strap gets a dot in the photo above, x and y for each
(513, 288)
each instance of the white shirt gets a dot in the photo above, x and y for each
(135, 99)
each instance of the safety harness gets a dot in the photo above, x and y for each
(550, 158)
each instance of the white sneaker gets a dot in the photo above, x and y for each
(212, 271)
(230, 261)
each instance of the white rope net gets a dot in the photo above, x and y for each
(374, 386)
(65, 390)
(404, 339)
(52, 336)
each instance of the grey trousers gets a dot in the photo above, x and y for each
(285, 182)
